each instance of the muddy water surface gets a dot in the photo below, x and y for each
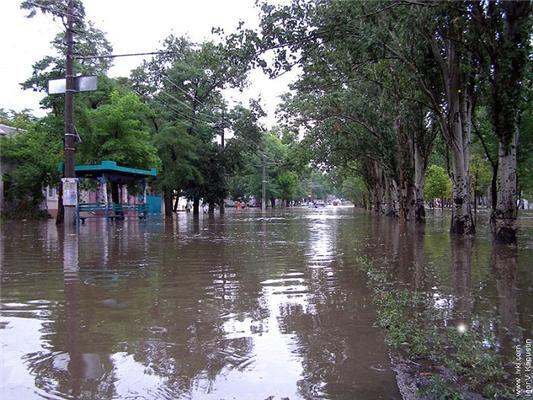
(247, 306)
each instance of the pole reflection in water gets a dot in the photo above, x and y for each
(71, 280)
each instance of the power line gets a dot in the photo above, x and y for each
(161, 102)
(184, 91)
(191, 97)
(193, 118)
(194, 99)
(180, 112)
(123, 55)
(186, 105)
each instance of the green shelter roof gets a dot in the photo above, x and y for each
(110, 168)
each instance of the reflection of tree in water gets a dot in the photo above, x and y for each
(180, 334)
(399, 249)
(79, 375)
(461, 280)
(503, 263)
(171, 317)
(165, 300)
(465, 280)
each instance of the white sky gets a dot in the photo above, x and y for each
(131, 26)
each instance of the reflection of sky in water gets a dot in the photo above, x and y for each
(273, 361)
(18, 337)
(321, 246)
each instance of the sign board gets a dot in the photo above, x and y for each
(70, 191)
(81, 84)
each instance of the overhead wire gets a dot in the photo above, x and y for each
(122, 55)
(187, 94)
(179, 101)
(184, 91)
(191, 118)
(179, 112)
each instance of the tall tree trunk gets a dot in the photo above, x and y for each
(494, 187)
(405, 151)
(504, 30)
(420, 176)
(60, 217)
(376, 200)
(378, 188)
(503, 218)
(196, 205)
(387, 200)
(460, 125)
(456, 123)
(167, 198)
(462, 220)
(393, 206)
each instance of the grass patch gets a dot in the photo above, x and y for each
(452, 364)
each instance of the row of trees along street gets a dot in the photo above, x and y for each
(386, 88)
(395, 99)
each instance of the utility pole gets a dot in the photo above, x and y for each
(69, 175)
(264, 182)
(222, 127)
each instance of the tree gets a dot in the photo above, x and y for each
(177, 151)
(504, 40)
(90, 41)
(525, 161)
(35, 153)
(438, 185)
(117, 132)
(353, 188)
(287, 182)
(356, 102)
(184, 85)
(480, 177)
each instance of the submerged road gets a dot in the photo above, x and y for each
(244, 306)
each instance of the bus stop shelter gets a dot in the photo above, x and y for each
(111, 200)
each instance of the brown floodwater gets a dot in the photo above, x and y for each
(244, 306)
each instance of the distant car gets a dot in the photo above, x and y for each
(319, 204)
(336, 202)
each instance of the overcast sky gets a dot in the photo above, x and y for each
(131, 26)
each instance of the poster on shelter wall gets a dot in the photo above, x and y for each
(70, 192)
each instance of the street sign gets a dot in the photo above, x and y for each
(70, 192)
(81, 84)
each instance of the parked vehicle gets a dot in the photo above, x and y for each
(319, 204)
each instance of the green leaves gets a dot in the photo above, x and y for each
(178, 153)
(117, 132)
(438, 184)
(30, 160)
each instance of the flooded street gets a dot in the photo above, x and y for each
(243, 306)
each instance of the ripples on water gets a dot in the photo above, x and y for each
(247, 306)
